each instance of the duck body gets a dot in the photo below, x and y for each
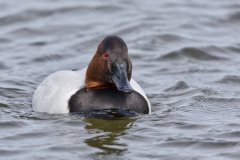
(105, 84)
(65, 92)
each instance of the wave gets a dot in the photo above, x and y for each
(11, 124)
(3, 66)
(3, 105)
(205, 53)
(49, 57)
(234, 17)
(234, 49)
(35, 14)
(230, 79)
(181, 85)
(167, 38)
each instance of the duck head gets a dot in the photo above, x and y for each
(110, 67)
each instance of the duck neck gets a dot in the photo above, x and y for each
(96, 75)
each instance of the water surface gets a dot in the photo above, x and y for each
(185, 54)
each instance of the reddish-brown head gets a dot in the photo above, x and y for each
(110, 66)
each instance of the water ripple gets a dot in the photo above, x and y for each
(192, 53)
(234, 80)
(11, 124)
(185, 55)
(181, 85)
(49, 57)
(3, 66)
(235, 17)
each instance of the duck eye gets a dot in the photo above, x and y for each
(105, 55)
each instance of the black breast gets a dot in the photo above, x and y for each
(102, 99)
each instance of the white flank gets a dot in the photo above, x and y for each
(139, 89)
(53, 94)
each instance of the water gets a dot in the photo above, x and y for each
(185, 55)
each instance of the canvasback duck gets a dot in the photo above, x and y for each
(106, 83)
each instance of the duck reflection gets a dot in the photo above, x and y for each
(106, 133)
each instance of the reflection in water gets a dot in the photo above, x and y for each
(106, 133)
